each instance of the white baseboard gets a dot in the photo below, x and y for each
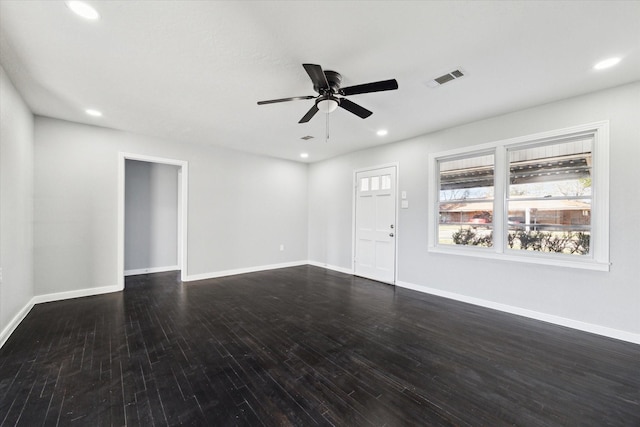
(331, 267)
(151, 270)
(59, 296)
(215, 274)
(570, 323)
(550, 318)
(13, 324)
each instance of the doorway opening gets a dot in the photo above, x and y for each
(152, 215)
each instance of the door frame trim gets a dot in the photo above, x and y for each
(183, 192)
(353, 215)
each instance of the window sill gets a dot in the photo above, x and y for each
(586, 264)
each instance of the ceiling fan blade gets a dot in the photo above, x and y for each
(370, 87)
(354, 108)
(312, 112)
(295, 98)
(317, 76)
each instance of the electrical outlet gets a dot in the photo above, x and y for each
(281, 247)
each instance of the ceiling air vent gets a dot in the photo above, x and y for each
(438, 81)
(306, 138)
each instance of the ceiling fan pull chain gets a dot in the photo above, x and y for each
(326, 138)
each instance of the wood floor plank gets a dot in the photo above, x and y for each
(305, 346)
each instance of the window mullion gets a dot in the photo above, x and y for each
(433, 200)
(499, 202)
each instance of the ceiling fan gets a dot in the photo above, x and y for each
(330, 94)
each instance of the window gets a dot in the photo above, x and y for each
(465, 201)
(375, 183)
(386, 182)
(364, 184)
(549, 197)
(541, 198)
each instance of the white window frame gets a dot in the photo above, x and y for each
(598, 258)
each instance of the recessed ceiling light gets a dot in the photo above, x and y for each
(610, 62)
(94, 113)
(382, 132)
(304, 155)
(82, 9)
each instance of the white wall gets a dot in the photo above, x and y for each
(241, 206)
(16, 203)
(604, 299)
(151, 216)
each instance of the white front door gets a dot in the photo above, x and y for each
(375, 224)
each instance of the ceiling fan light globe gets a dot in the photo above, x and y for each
(327, 105)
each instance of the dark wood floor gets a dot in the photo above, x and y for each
(305, 346)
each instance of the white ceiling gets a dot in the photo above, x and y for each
(193, 70)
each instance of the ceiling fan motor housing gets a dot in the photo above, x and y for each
(334, 79)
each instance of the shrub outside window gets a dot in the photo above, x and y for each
(541, 198)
